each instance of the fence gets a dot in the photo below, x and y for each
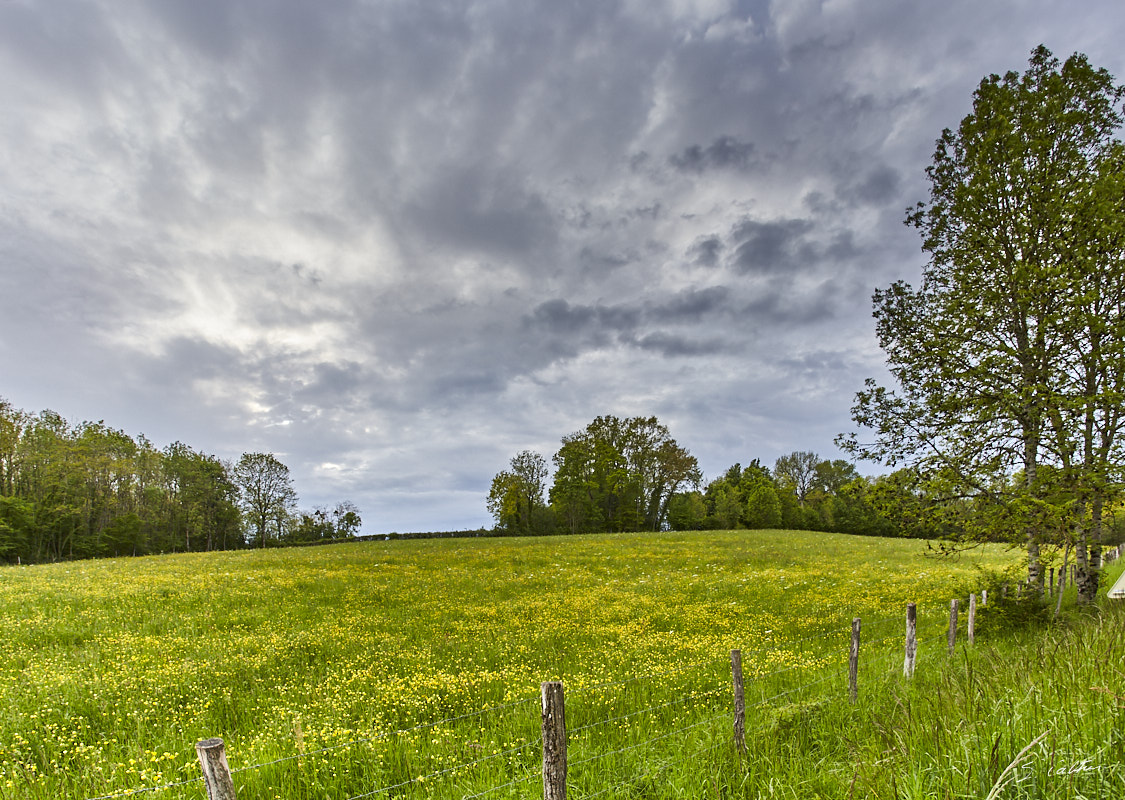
(547, 754)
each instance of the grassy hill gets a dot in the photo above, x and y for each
(314, 658)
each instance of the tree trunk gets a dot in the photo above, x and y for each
(1089, 554)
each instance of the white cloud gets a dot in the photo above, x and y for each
(400, 242)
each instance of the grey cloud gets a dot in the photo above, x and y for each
(771, 247)
(777, 303)
(332, 384)
(693, 304)
(705, 250)
(878, 186)
(726, 152)
(208, 25)
(674, 346)
(477, 210)
(70, 47)
(559, 316)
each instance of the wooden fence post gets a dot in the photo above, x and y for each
(911, 639)
(739, 700)
(216, 771)
(554, 741)
(953, 623)
(853, 663)
(972, 626)
(984, 597)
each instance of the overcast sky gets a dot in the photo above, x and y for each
(396, 242)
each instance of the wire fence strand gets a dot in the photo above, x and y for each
(446, 771)
(145, 790)
(384, 736)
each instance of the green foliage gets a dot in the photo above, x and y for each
(321, 525)
(266, 495)
(1010, 357)
(619, 475)
(516, 498)
(89, 490)
(687, 511)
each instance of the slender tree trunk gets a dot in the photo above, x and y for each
(1034, 556)
(1089, 553)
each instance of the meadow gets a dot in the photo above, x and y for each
(390, 669)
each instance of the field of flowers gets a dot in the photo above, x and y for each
(111, 670)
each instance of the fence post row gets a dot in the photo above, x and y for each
(554, 741)
(219, 785)
(216, 771)
(739, 700)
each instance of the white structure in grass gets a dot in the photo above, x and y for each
(1118, 590)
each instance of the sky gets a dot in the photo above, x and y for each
(396, 242)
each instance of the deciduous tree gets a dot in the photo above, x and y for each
(266, 495)
(991, 353)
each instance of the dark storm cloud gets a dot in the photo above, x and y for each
(380, 237)
(782, 306)
(693, 305)
(705, 250)
(670, 345)
(878, 186)
(726, 152)
(560, 317)
(478, 210)
(771, 247)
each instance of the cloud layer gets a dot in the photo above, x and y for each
(394, 243)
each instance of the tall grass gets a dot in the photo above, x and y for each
(414, 668)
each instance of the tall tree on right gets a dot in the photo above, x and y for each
(1010, 354)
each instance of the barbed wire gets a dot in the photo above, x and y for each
(678, 701)
(636, 678)
(446, 771)
(762, 701)
(384, 736)
(627, 748)
(524, 779)
(146, 789)
(651, 772)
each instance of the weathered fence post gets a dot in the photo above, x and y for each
(972, 626)
(953, 604)
(853, 663)
(739, 700)
(911, 639)
(554, 741)
(216, 771)
(1051, 583)
(984, 597)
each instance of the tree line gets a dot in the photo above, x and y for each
(631, 475)
(89, 490)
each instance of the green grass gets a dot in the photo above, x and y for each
(313, 658)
